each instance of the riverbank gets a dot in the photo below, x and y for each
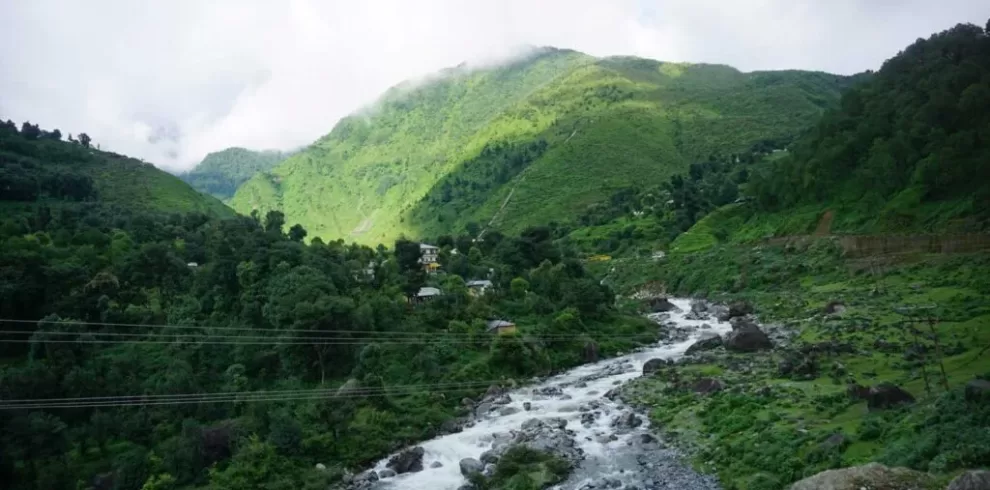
(574, 415)
(802, 407)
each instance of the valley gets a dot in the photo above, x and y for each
(561, 271)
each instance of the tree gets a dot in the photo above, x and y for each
(84, 139)
(30, 131)
(55, 135)
(297, 233)
(274, 221)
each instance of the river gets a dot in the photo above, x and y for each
(613, 458)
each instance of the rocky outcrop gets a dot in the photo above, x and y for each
(971, 480)
(470, 466)
(887, 395)
(749, 339)
(871, 476)
(410, 460)
(706, 344)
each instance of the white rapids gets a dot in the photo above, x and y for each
(605, 456)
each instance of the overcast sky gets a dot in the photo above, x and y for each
(172, 80)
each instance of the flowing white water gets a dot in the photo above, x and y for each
(605, 456)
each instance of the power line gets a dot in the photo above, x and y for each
(233, 393)
(430, 337)
(242, 329)
(383, 334)
(316, 394)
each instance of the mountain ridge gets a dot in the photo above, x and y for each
(220, 173)
(377, 174)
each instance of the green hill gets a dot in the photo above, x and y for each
(529, 142)
(36, 165)
(222, 172)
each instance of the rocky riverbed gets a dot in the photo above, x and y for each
(576, 416)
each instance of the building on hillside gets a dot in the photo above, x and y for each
(426, 293)
(428, 257)
(478, 287)
(501, 327)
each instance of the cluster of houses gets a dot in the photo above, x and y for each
(428, 258)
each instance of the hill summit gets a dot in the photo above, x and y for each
(528, 142)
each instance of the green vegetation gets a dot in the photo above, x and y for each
(522, 468)
(770, 427)
(903, 153)
(36, 165)
(275, 355)
(534, 141)
(906, 150)
(222, 172)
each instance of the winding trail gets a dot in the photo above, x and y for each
(616, 455)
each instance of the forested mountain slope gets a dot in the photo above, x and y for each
(222, 172)
(36, 165)
(556, 131)
(146, 349)
(906, 151)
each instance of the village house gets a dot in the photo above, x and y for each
(478, 287)
(426, 293)
(501, 327)
(428, 257)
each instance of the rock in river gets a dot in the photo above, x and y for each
(410, 460)
(653, 365)
(470, 466)
(707, 343)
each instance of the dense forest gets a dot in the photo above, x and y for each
(149, 350)
(906, 149)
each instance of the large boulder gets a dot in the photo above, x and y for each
(971, 480)
(750, 339)
(887, 395)
(470, 466)
(834, 307)
(738, 308)
(978, 390)
(653, 365)
(871, 476)
(742, 322)
(408, 461)
(705, 344)
(661, 304)
(706, 386)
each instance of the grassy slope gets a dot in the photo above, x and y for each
(222, 172)
(608, 123)
(119, 179)
(768, 429)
